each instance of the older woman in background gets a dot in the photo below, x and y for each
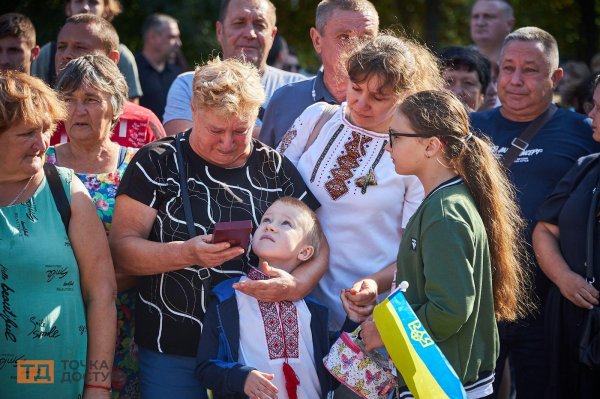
(560, 243)
(58, 282)
(95, 92)
(230, 177)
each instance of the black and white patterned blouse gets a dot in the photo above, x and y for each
(170, 307)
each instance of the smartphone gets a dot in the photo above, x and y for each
(235, 233)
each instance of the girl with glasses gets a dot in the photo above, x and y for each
(462, 252)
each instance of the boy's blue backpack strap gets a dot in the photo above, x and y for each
(227, 319)
(224, 289)
(224, 347)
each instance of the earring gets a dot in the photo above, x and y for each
(441, 163)
(427, 156)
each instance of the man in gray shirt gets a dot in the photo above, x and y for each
(245, 30)
(339, 25)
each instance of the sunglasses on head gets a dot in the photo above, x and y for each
(394, 133)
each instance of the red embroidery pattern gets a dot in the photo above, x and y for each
(280, 320)
(287, 140)
(346, 163)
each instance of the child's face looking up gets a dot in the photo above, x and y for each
(280, 239)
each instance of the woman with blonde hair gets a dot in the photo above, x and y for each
(463, 258)
(172, 194)
(58, 283)
(340, 153)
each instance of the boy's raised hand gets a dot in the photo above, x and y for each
(363, 292)
(259, 386)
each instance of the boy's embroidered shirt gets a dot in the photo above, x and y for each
(280, 321)
(269, 332)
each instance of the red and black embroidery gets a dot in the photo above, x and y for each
(280, 320)
(346, 163)
(287, 140)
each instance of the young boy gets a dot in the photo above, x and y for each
(255, 349)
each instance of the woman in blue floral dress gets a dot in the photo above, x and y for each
(95, 91)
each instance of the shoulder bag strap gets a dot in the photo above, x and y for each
(58, 192)
(328, 112)
(521, 143)
(204, 272)
(185, 195)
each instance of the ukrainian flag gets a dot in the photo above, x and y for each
(423, 366)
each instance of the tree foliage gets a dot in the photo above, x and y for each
(438, 22)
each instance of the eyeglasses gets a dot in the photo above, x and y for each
(393, 134)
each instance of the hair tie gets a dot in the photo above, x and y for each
(467, 137)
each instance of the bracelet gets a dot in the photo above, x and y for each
(97, 387)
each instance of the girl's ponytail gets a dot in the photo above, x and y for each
(443, 115)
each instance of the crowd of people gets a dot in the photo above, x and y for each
(471, 173)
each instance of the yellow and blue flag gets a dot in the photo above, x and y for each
(422, 364)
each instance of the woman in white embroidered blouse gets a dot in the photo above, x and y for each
(364, 204)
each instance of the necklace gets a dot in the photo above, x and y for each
(21, 192)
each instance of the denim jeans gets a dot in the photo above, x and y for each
(168, 376)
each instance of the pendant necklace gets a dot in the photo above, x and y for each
(21, 192)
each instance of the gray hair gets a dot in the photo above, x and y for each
(535, 35)
(99, 72)
(326, 7)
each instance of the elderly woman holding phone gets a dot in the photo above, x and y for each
(162, 228)
(56, 273)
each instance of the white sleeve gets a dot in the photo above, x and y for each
(293, 143)
(413, 196)
(179, 99)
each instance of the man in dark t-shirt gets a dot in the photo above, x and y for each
(528, 74)
(161, 40)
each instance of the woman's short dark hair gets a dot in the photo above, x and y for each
(457, 57)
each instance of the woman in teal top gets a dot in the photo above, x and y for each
(58, 314)
(460, 251)
(95, 92)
